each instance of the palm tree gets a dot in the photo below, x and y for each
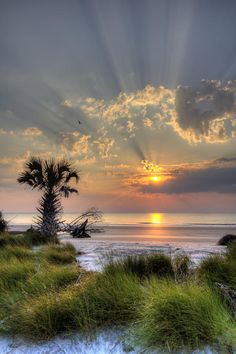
(53, 179)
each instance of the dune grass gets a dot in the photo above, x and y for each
(143, 265)
(10, 252)
(35, 238)
(218, 269)
(59, 254)
(231, 252)
(99, 301)
(25, 239)
(181, 265)
(7, 239)
(50, 277)
(44, 292)
(184, 315)
(15, 272)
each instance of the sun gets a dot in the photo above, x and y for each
(155, 178)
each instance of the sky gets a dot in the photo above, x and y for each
(139, 95)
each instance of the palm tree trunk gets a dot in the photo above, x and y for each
(50, 209)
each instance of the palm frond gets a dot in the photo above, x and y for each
(34, 164)
(26, 178)
(66, 191)
(73, 174)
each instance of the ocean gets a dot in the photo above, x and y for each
(161, 228)
(139, 219)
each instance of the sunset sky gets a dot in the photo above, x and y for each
(153, 84)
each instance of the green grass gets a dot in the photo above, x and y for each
(44, 292)
(231, 252)
(35, 238)
(218, 269)
(10, 252)
(143, 265)
(113, 299)
(46, 316)
(181, 265)
(14, 272)
(99, 301)
(176, 316)
(59, 254)
(50, 277)
(26, 239)
(7, 239)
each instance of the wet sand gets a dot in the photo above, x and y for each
(204, 234)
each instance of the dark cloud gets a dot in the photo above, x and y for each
(206, 112)
(213, 179)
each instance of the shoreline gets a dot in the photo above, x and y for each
(119, 241)
(96, 252)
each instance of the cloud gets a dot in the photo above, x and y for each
(203, 114)
(210, 176)
(6, 132)
(206, 113)
(32, 131)
(208, 180)
(104, 145)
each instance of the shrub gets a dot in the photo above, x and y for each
(226, 240)
(176, 316)
(3, 223)
(143, 265)
(59, 254)
(218, 269)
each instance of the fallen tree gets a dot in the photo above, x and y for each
(88, 222)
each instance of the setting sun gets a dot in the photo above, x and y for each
(155, 178)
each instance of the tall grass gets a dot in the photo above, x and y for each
(143, 265)
(10, 252)
(181, 265)
(218, 269)
(44, 292)
(50, 277)
(7, 239)
(176, 316)
(231, 252)
(14, 272)
(99, 301)
(35, 238)
(59, 254)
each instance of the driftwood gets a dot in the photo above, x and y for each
(80, 231)
(86, 223)
(229, 295)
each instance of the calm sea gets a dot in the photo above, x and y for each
(140, 219)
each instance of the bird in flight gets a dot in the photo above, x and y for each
(79, 122)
